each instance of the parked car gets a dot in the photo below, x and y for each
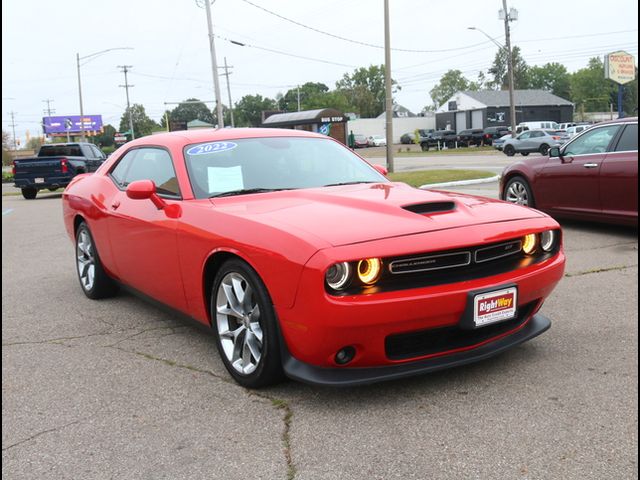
(564, 126)
(470, 137)
(376, 141)
(360, 141)
(594, 176)
(55, 166)
(498, 143)
(572, 131)
(439, 139)
(531, 141)
(304, 259)
(407, 138)
(493, 133)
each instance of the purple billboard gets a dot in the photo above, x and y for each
(71, 124)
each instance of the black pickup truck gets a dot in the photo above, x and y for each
(55, 166)
(439, 139)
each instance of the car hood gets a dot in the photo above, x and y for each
(351, 214)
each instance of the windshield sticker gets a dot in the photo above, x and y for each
(225, 179)
(213, 147)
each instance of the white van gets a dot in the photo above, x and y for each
(538, 125)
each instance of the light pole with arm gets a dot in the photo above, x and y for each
(507, 48)
(89, 58)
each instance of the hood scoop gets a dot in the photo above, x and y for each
(430, 207)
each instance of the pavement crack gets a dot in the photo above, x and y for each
(44, 432)
(59, 340)
(600, 270)
(172, 328)
(277, 403)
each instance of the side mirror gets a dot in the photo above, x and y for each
(555, 152)
(381, 170)
(143, 190)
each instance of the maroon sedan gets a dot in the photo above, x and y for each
(592, 177)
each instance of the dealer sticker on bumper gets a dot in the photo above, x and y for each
(495, 306)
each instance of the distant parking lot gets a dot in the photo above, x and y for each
(120, 389)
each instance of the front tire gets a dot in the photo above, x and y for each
(424, 146)
(519, 192)
(509, 151)
(95, 282)
(29, 193)
(544, 149)
(245, 324)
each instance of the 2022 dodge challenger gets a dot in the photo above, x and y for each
(307, 261)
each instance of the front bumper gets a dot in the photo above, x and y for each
(343, 377)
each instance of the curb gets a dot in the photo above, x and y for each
(460, 182)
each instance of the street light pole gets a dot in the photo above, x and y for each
(507, 33)
(387, 88)
(214, 66)
(88, 57)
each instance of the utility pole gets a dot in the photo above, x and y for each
(387, 88)
(214, 66)
(508, 17)
(13, 127)
(298, 97)
(125, 69)
(48, 112)
(226, 74)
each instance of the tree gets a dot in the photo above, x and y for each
(500, 71)
(451, 82)
(142, 124)
(248, 111)
(105, 139)
(6, 146)
(187, 112)
(312, 95)
(590, 91)
(552, 77)
(365, 90)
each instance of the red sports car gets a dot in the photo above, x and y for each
(594, 176)
(305, 260)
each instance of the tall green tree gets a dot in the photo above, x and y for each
(590, 91)
(451, 82)
(6, 146)
(142, 124)
(105, 139)
(499, 71)
(312, 95)
(552, 77)
(248, 111)
(365, 90)
(187, 112)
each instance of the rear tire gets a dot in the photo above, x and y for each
(29, 193)
(509, 151)
(95, 282)
(245, 324)
(524, 154)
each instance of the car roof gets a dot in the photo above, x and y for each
(619, 120)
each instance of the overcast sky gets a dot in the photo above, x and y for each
(171, 62)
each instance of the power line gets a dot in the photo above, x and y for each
(350, 40)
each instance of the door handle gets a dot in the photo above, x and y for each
(590, 165)
(115, 204)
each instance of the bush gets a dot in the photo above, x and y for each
(7, 177)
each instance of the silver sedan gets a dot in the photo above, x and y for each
(532, 141)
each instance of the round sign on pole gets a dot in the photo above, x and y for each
(620, 67)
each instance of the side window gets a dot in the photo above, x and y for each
(87, 151)
(629, 139)
(147, 164)
(596, 140)
(524, 136)
(96, 152)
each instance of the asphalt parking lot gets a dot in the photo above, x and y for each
(119, 389)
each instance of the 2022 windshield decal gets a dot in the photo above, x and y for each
(213, 147)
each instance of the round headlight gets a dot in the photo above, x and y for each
(529, 244)
(338, 275)
(548, 240)
(369, 270)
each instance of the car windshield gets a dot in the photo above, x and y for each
(256, 165)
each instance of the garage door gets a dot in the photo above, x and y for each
(476, 119)
(461, 121)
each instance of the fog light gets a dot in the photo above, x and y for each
(369, 270)
(345, 355)
(529, 244)
(548, 240)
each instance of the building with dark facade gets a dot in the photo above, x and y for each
(327, 121)
(490, 108)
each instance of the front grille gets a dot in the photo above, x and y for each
(438, 340)
(430, 262)
(497, 251)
